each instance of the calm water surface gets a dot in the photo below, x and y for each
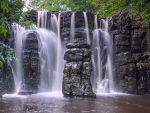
(55, 103)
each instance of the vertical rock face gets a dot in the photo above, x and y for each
(131, 53)
(6, 75)
(77, 71)
(65, 25)
(6, 79)
(33, 14)
(31, 70)
(78, 67)
(80, 34)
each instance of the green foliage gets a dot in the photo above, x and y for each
(4, 26)
(6, 54)
(135, 7)
(146, 54)
(63, 5)
(104, 8)
(11, 11)
(142, 64)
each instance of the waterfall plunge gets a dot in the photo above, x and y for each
(51, 56)
(17, 64)
(102, 83)
(51, 52)
(47, 55)
(86, 28)
(72, 29)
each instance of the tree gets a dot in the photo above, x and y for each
(10, 11)
(63, 5)
(135, 7)
(104, 8)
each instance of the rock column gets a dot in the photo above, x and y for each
(77, 71)
(31, 64)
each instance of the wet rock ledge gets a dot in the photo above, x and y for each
(77, 71)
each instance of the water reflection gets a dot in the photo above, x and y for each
(55, 103)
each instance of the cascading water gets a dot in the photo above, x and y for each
(17, 64)
(72, 29)
(43, 19)
(51, 52)
(59, 68)
(51, 62)
(38, 19)
(86, 28)
(102, 59)
(109, 44)
(47, 55)
(96, 57)
(54, 24)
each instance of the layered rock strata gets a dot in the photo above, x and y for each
(77, 71)
(31, 64)
(131, 53)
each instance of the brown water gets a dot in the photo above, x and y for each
(55, 103)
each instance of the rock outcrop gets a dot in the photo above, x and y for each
(130, 48)
(30, 61)
(77, 71)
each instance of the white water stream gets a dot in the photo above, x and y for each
(51, 57)
(86, 28)
(72, 29)
(47, 55)
(103, 84)
(51, 54)
(17, 64)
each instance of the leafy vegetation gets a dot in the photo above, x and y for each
(135, 7)
(6, 54)
(145, 61)
(103, 8)
(141, 64)
(11, 11)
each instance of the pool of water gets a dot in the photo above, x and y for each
(56, 103)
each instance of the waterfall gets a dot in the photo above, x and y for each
(72, 28)
(51, 48)
(43, 19)
(102, 50)
(96, 56)
(38, 19)
(54, 24)
(51, 57)
(109, 44)
(47, 54)
(59, 68)
(95, 22)
(50, 52)
(17, 64)
(86, 28)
